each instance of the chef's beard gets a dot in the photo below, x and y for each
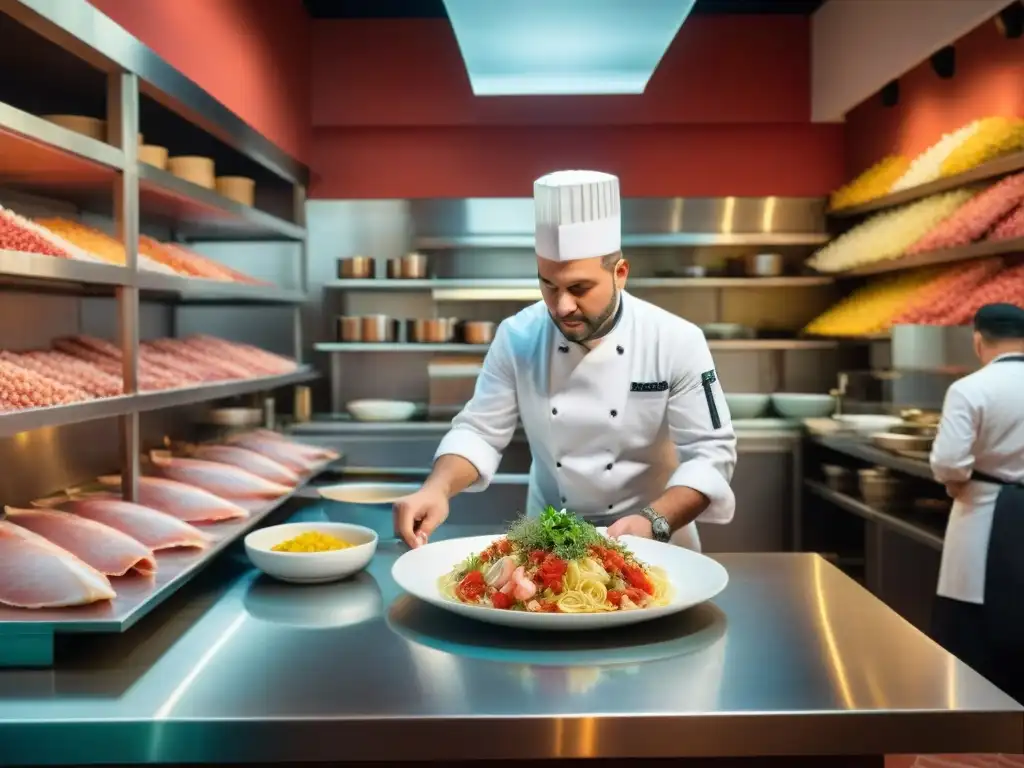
(592, 328)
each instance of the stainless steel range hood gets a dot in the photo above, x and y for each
(564, 47)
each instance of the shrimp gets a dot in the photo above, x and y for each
(524, 588)
(499, 574)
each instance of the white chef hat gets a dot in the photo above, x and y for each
(577, 215)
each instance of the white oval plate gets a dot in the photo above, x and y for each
(695, 579)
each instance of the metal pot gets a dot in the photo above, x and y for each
(839, 479)
(477, 332)
(350, 328)
(377, 329)
(765, 265)
(439, 330)
(356, 268)
(412, 266)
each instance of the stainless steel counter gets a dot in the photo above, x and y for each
(792, 659)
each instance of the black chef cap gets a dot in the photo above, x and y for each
(1000, 321)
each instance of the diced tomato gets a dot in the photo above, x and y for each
(504, 547)
(615, 597)
(551, 572)
(502, 601)
(537, 556)
(485, 557)
(636, 577)
(612, 561)
(472, 587)
(548, 606)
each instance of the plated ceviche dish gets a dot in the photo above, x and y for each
(556, 563)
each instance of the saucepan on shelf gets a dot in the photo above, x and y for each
(412, 266)
(476, 331)
(765, 265)
(356, 268)
(880, 489)
(372, 329)
(438, 330)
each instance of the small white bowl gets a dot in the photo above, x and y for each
(750, 406)
(311, 567)
(381, 410)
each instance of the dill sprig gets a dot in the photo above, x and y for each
(560, 533)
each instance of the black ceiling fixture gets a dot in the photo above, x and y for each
(944, 62)
(891, 93)
(434, 9)
(1010, 21)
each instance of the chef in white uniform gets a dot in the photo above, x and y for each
(979, 455)
(623, 410)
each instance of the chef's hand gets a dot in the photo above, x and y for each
(418, 514)
(632, 525)
(953, 490)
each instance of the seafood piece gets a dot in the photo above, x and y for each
(156, 530)
(185, 502)
(225, 480)
(34, 573)
(108, 550)
(248, 460)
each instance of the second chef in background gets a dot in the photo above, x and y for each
(620, 401)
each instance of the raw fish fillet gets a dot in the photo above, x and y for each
(316, 451)
(37, 574)
(106, 549)
(185, 502)
(156, 530)
(248, 460)
(225, 480)
(281, 451)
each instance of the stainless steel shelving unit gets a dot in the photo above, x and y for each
(39, 157)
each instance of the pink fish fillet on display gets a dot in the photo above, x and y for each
(106, 549)
(156, 530)
(281, 451)
(225, 480)
(185, 502)
(313, 451)
(248, 460)
(35, 573)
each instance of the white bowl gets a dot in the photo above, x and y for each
(867, 423)
(381, 410)
(746, 406)
(798, 406)
(311, 567)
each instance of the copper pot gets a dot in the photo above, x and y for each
(350, 329)
(378, 329)
(437, 331)
(412, 266)
(478, 332)
(356, 268)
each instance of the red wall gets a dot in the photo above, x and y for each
(252, 55)
(726, 113)
(989, 81)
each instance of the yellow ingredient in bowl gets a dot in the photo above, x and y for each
(311, 541)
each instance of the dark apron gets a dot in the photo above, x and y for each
(1004, 578)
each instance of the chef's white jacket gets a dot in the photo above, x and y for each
(610, 429)
(982, 428)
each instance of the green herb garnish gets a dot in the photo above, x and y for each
(471, 563)
(561, 533)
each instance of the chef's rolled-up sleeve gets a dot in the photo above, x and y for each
(952, 457)
(706, 453)
(484, 427)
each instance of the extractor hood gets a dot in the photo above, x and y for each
(563, 47)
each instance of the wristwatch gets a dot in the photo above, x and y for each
(659, 525)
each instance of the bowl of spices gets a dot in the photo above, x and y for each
(311, 553)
